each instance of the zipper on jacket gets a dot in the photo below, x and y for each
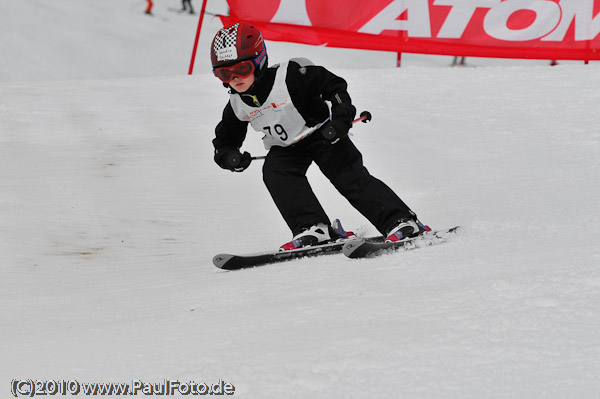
(254, 99)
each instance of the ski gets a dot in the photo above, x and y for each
(352, 248)
(364, 249)
(236, 262)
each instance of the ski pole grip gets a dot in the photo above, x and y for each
(234, 159)
(329, 133)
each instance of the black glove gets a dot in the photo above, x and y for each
(335, 130)
(342, 114)
(232, 159)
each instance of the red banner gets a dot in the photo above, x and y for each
(536, 29)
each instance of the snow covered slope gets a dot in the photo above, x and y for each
(111, 209)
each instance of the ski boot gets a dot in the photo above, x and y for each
(338, 232)
(318, 234)
(406, 228)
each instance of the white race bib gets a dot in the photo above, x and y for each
(278, 119)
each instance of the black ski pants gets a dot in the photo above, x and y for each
(284, 174)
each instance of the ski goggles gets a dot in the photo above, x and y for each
(242, 70)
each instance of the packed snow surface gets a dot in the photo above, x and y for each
(111, 209)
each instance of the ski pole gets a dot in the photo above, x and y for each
(364, 117)
(329, 132)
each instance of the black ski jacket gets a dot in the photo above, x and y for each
(309, 87)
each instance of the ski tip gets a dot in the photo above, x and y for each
(361, 248)
(351, 246)
(221, 260)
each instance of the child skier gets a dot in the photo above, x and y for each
(286, 103)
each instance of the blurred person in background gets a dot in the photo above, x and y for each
(185, 4)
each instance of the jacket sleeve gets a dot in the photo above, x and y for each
(310, 85)
(230, 132)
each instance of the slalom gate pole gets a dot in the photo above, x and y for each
(364, 117)
(197, 37)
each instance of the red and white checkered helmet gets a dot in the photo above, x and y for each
(238, 42)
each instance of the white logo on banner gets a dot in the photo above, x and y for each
(292, 12)
(552, 20)
(417, 24)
